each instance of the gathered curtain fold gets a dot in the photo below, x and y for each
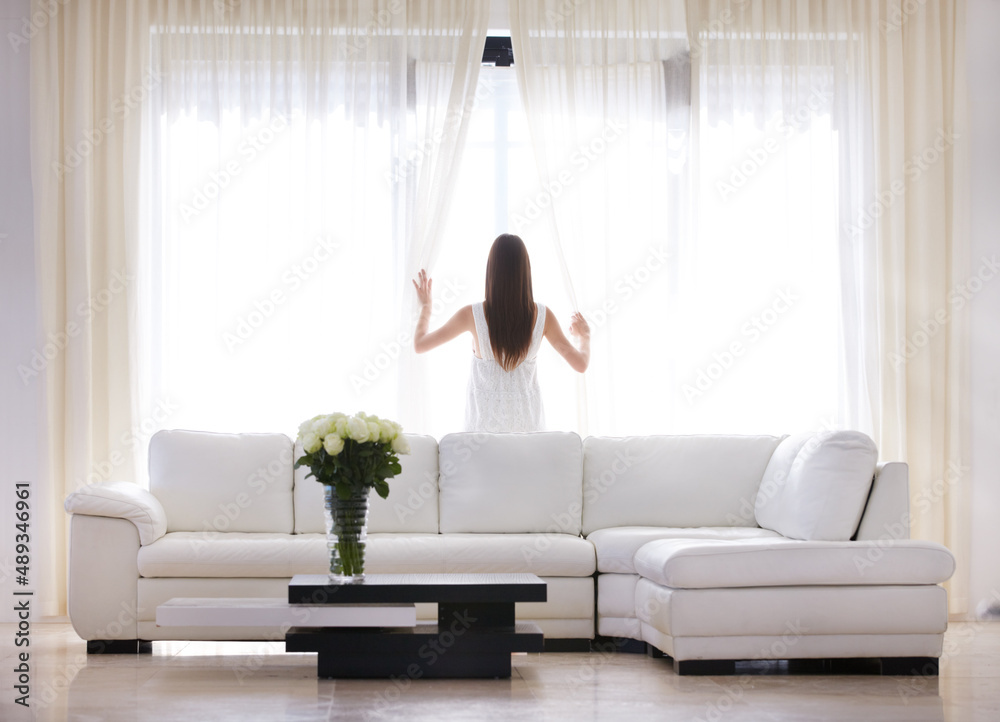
(89, 82)
(443, 82)
(925, 278)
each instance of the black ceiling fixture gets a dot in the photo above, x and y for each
(499, 51)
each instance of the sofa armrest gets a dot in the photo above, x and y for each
(887, 513)
(103, 591)
(122, 500)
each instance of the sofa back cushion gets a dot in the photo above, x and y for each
(511, 483)
(412, 505)
(222, 482)
(816, 485)
(672, 481)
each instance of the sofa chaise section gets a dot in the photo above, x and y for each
(803, 588)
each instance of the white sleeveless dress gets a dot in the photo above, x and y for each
(504, 400)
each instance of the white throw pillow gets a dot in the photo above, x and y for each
(816, 485)
(511, 483)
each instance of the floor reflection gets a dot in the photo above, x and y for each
(220, 681)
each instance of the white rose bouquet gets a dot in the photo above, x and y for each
(350, 455)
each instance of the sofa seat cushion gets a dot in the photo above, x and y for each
(617, 546)
(556, 555)
(234, 554)
(707, 564)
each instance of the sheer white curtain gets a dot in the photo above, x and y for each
(818, 273)
(889, 79)
(89, 88)
(269, 220)
(445, 59)
(702, 241)
(918, 218)
(277, 293)
(226, 197)
(605, 89)
(783, 162)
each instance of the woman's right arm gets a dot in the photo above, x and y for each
(577, 358)
(461, 321)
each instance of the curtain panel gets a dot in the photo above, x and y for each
(90, 82)
(605, 87)
(851, 114)
(894, 75)
(925, 277)
(210, 178)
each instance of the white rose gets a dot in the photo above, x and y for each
(386, 432)
(395, 430)
(333, 444)
(374, 430)
(306, 426)
(400, 445)
(311, 443)
(324, 426)
(342, 426)
(357, 429)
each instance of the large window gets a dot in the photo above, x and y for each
(497, 183)
(761, 284)
(271, 273)
(275, 282)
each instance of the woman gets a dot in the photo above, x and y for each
(507, 331)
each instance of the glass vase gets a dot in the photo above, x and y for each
(346, 535)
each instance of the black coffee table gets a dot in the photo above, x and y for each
(474, 636)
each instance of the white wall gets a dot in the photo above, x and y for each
(984, 101)
(19, 404)
(499, 17)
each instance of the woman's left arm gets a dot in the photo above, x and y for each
(577, 358)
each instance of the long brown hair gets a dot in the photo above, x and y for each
(510, 305)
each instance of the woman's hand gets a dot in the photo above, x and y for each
(578, 357)
(423, 284)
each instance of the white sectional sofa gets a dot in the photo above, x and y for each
(710, 549)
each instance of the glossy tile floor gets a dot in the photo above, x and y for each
(258, 681)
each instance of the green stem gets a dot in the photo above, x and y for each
(348, 533)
